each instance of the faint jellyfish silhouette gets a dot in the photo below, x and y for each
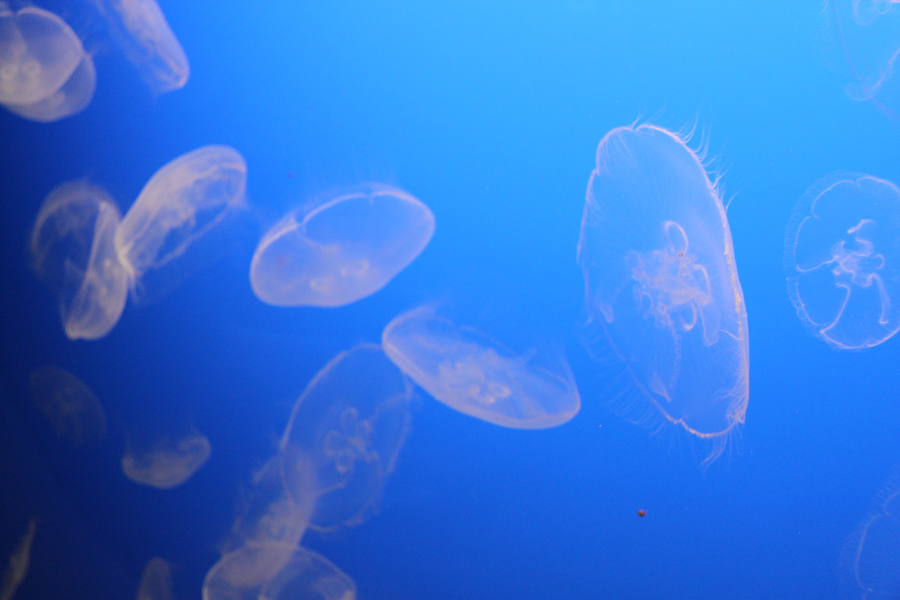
(842, 255)
(310, 576)
(73, 252)
(71, 407)
(241, 573)
(478, 376)
(341, 251)
(661, 285)
(17, 568)
(167, 463)
(148, 42)
(185, 200)
(344, 435)
(156, 581)
(73, 97)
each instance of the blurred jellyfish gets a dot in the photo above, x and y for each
(17, 568)
(156, 581)
(344, 435)
(73, 252)
(148, 42)
(476, 375)
(341, 251)
(71, 407)
(183, 201)
(310, 576)
(73, 97)
(167, 463)
(842, 255)
(661, 284)
(241, 574)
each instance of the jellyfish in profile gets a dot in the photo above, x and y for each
(69, 404)
(309, 575)
(842, 255)
(241, 573)
(343, 250)
(469, 372)
(19, 560)
(166, 463)
(144, 34)
(184, 201)
(73, 252)
(156, 581)
(344, 435)
(661, 285)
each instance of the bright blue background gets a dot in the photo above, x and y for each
(490, 113)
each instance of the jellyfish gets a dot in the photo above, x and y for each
(661, 284)
(344, 435)
(69, 404)
(156, 581)
(343, 250)
(241, 573)
(842, 255)
(167, 463)
(73, 252)
(19, 560)
(184, 201)
(469, 372)
(143, 32)
(73, 97)
(309, 575)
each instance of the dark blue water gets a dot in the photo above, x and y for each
(490, 114)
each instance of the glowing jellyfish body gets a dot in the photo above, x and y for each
(69, 404)
(475, 375)
(156, 581)
(19, 560)
(343, 250)
(310, 576)
(73, 252)
(241, 573)
(73, 97)
(344, 435)
(167, 463)
(183, 201)
(871, 556)
(842, 255)
(661, 283)
(148, 42)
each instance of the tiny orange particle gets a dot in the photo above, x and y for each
(642, 513)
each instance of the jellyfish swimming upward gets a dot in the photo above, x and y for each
(661, 284)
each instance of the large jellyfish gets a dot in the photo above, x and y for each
(156, 581)
(661, 284)
(167, 463)
(341, 251)
(73, 252)
(69, 404)
(185, 200)
(344, 435)
(477, 376)
(842, 255)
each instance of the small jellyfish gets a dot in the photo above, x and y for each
(344, 435)
(842, 255)
(662, 287)
(38, 54)
(71, 407)
(156, 581)
(185, 200)
(17, 568)
(148, 42)
(343, 250)
(240, 574)
(73, 97)
(73, 252)
(167, 463)
(310, 576)
(476, 375)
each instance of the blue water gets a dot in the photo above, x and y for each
(490, 114)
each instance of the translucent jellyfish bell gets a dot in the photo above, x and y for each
(842, 255)
(310, 576)
(661, 283)
(19, 561)
(343, 250)
(156, 581)
(241, 573)
(73, 97)
(69, 404)
(167, 463)
(73, 252)
(477, 376)
(38, 54)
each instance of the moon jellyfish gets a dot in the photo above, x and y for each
(183, 201)
(19, 560)
(156, 581)
(73, 97)
(240, 574)
(344, 435)
(73, 252)
(842, 255)
(476, 375)
(38, 54)
(71, 407)
(167, 463)
(341, 251)
(310, 576)
(148, 42)
(661, 284)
